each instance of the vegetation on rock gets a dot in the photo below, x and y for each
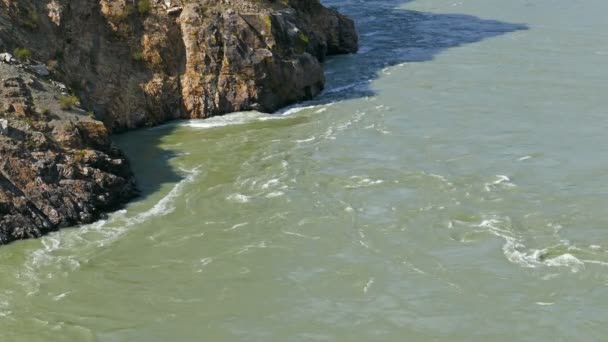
(22, 54)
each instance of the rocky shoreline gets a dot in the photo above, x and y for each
(130, 64)
(58, 166)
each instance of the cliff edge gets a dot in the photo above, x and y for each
(141, 62)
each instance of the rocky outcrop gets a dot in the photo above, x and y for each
(134, 63)
(141, 62)
(57, 166)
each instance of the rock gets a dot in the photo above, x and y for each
(56, 170)
(41, 70)
(174, 10)
(185, 59)
(62, 87)
(3, 127)
(54, 12)
(7, 58)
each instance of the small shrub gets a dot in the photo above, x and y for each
(67, 102)
(22, 54)
(143, 6)
(138, 56)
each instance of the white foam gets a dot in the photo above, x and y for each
(566, 260)
(238, 118)
(501, 180)
(595, 262)
(518, 253)
(306, 140)
(238, 198)
(97, 234)
(166, 204)
(302, 235)
(362, 182)
(331, 132)
(237, 226)
(204, 262)
(295, 109)
(368, 285)
(271, 183)
(275, 194)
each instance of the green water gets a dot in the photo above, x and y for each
(450, 185)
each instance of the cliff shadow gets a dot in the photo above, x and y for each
(390, 35)
(150, 161)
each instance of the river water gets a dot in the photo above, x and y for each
(451, 184)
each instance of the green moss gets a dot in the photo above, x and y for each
(143, 6)
(67, 102)
(22, 54)
(268, 22)
(138, 56)
(304, 38)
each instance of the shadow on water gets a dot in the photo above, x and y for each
(149, 161)
(390, 36)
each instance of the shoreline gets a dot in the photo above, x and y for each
(60, 167)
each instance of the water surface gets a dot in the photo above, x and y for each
(450, 185)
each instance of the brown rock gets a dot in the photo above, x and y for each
(53, 174)
(205, 58)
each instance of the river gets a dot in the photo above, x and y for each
(451, 184)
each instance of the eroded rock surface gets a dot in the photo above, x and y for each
(57, 167)
(136, 66)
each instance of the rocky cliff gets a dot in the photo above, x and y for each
(132, 63)
(141, 62)
(57, 165)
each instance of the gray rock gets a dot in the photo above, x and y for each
(62, 87)
(41, 70)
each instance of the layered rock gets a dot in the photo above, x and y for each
(141, 62)
(57, 167)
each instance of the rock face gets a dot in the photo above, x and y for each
(141, 62)
(57, 167)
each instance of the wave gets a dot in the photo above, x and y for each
(562, 254)
(238, 118)
(84, 241)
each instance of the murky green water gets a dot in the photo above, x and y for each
(451, 185)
